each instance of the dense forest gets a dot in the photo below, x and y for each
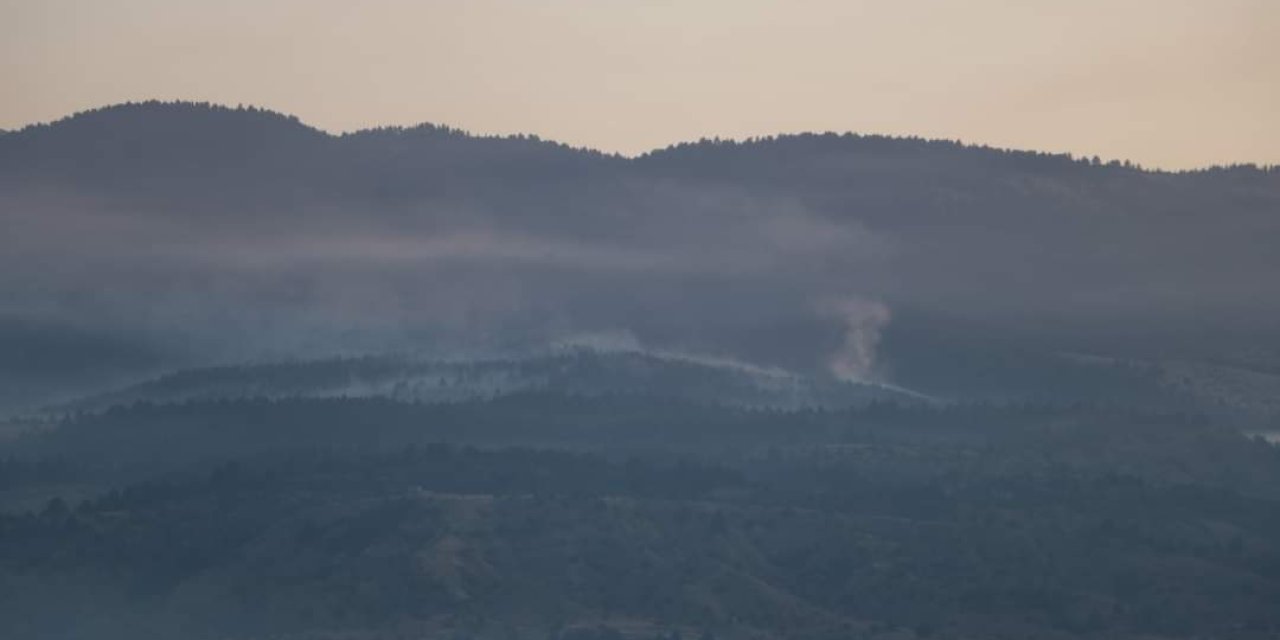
(552, 516)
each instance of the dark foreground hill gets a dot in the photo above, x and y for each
(544, 516)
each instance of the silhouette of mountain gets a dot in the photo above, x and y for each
(184, 151)
(120, 147)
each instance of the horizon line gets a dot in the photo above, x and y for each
(1086, 159)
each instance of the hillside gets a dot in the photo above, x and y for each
(570, 371)
(197, 235)
(544, 516)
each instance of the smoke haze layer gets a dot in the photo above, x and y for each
(220, 235)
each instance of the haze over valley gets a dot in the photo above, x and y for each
(154, 236)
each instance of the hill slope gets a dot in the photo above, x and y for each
(207, 235)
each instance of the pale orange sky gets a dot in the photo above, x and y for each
(1169, 83)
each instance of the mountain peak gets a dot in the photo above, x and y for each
(154, 113)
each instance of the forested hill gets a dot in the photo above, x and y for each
(418, 383)
(636, 518)
(188, 152)
(119, 147)
(207, 235)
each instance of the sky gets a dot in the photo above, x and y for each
(1166, 83)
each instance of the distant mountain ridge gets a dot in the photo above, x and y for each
(162, 153)
(253, 118)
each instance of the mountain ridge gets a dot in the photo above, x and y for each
(250, 234)
(883, 141)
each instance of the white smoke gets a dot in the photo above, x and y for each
(855, 360)
(624, 341)
(603, 341)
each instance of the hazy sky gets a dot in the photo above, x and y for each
(1173, 83)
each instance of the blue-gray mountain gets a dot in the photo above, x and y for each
(416, 383)
(171, 235)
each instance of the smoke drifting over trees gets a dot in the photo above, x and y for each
(864, 320)
(205, 234)
(258, 381)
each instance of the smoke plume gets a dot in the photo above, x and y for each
(855, 360)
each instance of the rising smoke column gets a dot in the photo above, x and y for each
(855, 359)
